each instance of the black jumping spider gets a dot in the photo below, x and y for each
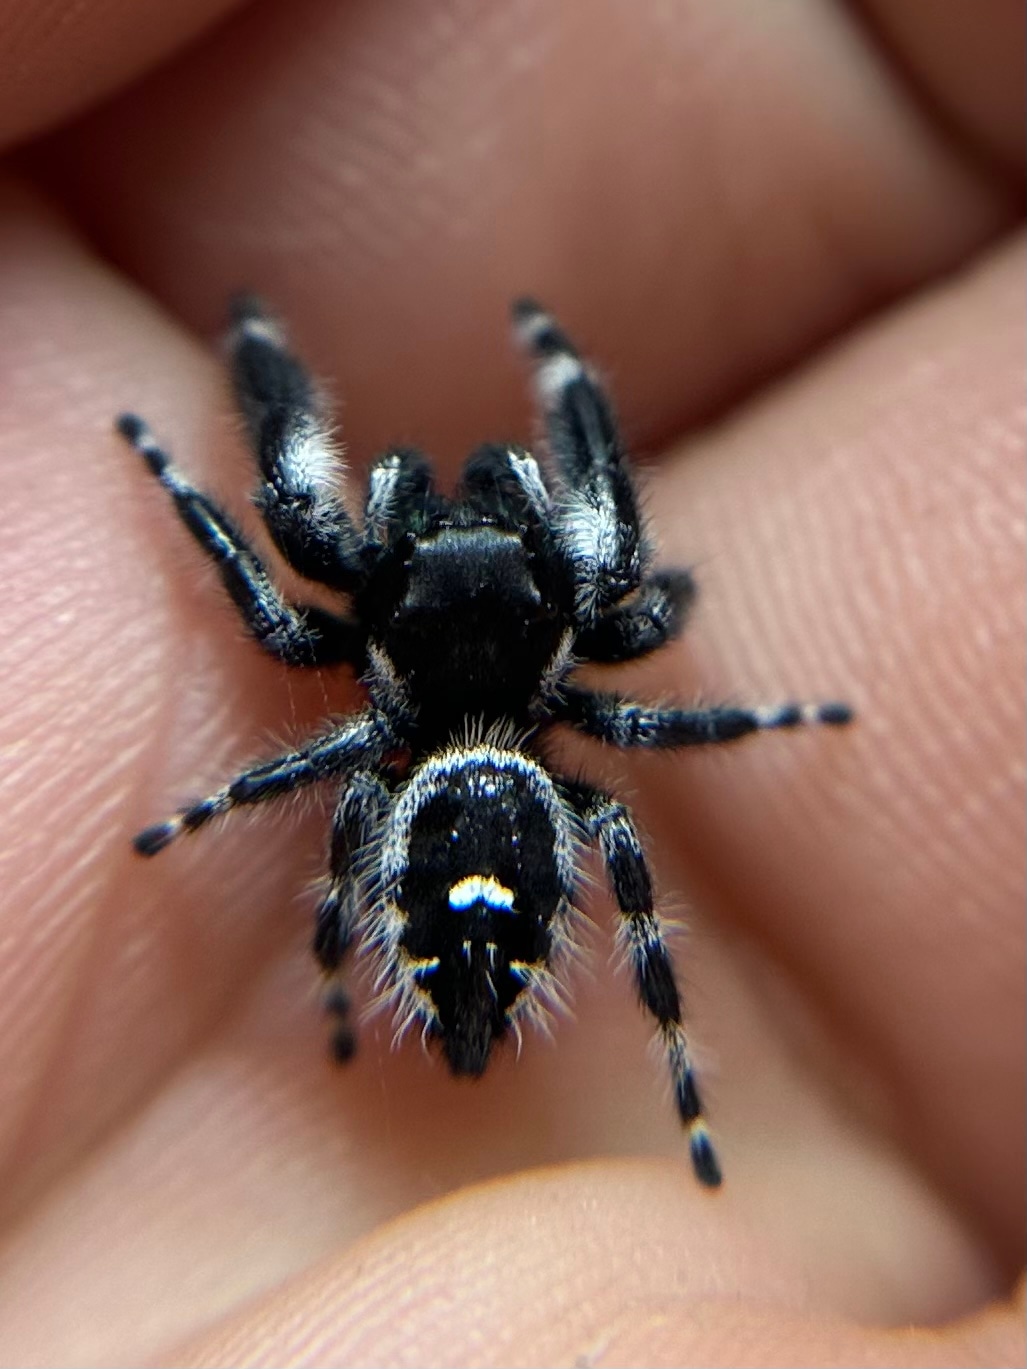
(454, 850)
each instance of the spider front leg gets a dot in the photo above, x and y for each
(300, 468)
(597, 516)
(297, 636)
(400, 497)
(360, 809)
(364, 737)
(621, 722)
(609, 824)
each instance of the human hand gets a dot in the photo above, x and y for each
(789, 218)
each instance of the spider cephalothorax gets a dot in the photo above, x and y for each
(454, 848)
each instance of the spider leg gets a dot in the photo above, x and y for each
(597, 515)
(621, 722)
(296, 635)
(400, 497)
(641, 624)
(361, 805)
(364, 737)
(504, 480)
(609, 824)
(298, 466)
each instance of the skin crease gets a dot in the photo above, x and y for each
(792, 221)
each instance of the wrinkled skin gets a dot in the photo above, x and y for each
(798, 220)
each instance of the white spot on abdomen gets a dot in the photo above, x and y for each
(481, 888)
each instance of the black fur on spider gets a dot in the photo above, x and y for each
(454, 849)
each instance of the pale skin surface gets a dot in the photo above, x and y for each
(712, 197)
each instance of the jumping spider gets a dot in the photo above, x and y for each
(454, 849)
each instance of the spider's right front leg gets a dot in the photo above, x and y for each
(597, 515)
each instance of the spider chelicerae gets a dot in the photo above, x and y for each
(454, 848)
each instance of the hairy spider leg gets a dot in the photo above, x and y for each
(621, 722)
(362, 737)
(300, 468)
(641, 624)
(597, 514)
(504, 480)
(609, 824)
(400, 497)
(361, 806)
(295, 635)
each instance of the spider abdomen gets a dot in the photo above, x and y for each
(477, 865)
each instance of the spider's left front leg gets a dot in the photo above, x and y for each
(298, 464)
(621, 722)
(609, 824)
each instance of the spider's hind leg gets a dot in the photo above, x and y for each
(299, 468)
(360, 808)
(609, 824)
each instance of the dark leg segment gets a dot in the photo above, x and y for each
(360, 808)
(298, 495)
(642, 624)
(619, 721)
(400, 497)
(362, 738)
(296, 636)
(506, 481)
(609, 824)
(598, 517)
